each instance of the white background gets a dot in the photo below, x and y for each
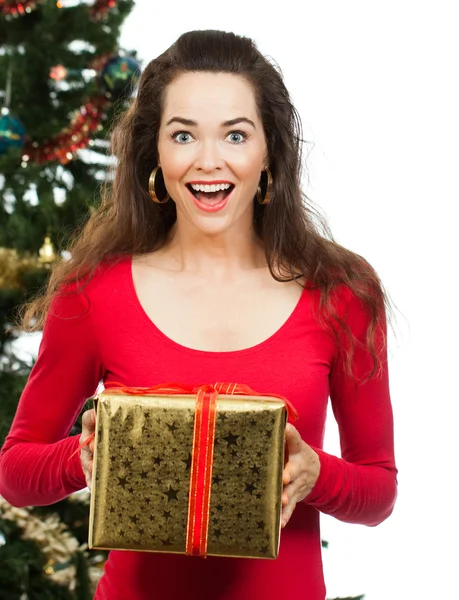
(376, 85)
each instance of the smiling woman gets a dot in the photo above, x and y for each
(203, 264)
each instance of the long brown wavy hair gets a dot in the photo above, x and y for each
(296, 238)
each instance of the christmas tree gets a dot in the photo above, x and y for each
(62, 79)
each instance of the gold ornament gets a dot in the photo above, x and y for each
(46, 253)
(13, 267)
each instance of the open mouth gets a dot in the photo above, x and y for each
(210, 197)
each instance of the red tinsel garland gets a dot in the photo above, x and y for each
(20, 7)
(74, 137)
(101, 7)
(11, 7)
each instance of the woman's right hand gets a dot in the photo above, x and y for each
(86, 453)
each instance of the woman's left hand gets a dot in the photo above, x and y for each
(300, 473)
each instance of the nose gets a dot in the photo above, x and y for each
(209, 156)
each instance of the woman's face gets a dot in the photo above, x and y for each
(211, 135)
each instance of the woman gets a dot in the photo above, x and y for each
(203, 264)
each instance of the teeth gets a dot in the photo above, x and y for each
(210, 188)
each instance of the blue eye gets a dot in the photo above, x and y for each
(180, 137)
(238, 135)
(183, 137)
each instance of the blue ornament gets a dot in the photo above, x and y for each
(12, 133)
(119, 75)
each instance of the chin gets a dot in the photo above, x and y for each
(212, 226)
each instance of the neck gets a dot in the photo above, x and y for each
(237, 249)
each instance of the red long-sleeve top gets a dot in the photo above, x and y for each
(104, 334)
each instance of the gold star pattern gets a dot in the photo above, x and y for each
(171, 494)
(231, 439)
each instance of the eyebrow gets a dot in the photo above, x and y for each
(191, 123)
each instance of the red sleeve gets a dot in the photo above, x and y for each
(360, 487)
(34, 462)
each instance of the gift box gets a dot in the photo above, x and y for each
(194, 471)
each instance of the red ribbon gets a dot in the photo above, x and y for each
(201, 472)
(231, 389)
(203, 447)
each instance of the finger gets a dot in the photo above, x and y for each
(88, 476)
(286, 476)
(88, 420)
(86, 461)
(88, 448)
(289, 490)
(289, 493)
(293, 439)
(287, 512)
(291, 472)
(87, 465)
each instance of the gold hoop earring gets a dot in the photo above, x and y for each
(151, 188)
(269, 188)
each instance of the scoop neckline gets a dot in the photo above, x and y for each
(273, 338)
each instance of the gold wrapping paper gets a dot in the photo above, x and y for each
(141, 474)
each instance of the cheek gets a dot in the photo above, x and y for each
(174, 164)
(247, 166)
